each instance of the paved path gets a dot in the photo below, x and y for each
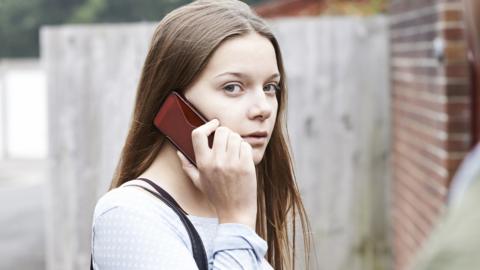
(22, 223)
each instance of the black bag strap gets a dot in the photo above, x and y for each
(198, 249)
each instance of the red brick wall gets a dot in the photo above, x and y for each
(431, 116)
(289, 8)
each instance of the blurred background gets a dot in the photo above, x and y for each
(382, 109)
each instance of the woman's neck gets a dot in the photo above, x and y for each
(167, 172)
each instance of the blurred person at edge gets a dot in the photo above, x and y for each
(455, 242)
(226, 61)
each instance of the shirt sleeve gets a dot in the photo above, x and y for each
(237, 246)
(124, 238)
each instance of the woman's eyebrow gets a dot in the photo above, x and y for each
(245, 76)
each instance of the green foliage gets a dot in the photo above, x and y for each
(356, 7)
(123, 10)
(20, 20)
(88, 12)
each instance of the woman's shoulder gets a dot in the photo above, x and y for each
(133, 199)
(126, 211)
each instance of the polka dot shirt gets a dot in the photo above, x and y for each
(134, 230)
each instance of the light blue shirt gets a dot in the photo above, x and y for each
(134, 230)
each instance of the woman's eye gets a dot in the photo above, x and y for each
(272, 87)
(236, 88)
(232, 88)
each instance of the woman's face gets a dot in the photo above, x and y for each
(238, 87)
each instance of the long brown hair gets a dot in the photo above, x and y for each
(181, 46)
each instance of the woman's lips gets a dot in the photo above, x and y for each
(255, 140)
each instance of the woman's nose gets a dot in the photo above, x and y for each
(261, 107)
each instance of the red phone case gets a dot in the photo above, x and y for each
(176, 119)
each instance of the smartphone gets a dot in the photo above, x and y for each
(176, 119)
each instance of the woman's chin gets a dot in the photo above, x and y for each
(257, 156)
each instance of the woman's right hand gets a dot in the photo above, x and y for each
(225, 173)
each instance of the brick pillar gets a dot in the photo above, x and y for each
(431, 115)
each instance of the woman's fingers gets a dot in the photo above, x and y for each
(227, 145)
(233, 146)
(200, 137)
(189, 168)
(245, 152)
(220, 141)
(226, 173)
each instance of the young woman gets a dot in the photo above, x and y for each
(242, 197)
